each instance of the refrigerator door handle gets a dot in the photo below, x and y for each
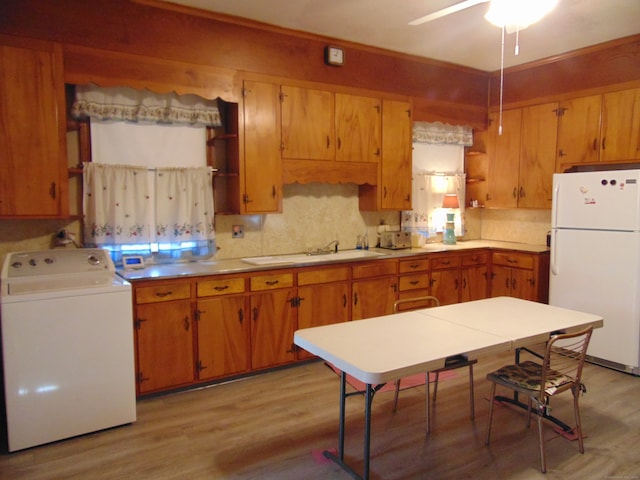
(554, 251)
(555, 205)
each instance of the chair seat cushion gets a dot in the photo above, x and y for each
(528, 375)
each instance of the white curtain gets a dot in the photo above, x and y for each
(442, 133)
(127, 104)
(120, 207)
(184, 204)
(428, 217)
(117, 205)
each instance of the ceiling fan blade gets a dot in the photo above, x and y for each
(447, 11)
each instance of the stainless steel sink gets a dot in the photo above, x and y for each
(303, 258)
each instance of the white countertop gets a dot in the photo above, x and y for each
(236, 265)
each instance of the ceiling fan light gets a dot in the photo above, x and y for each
(518, 13)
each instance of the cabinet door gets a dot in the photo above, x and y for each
(262, 164)
(523, 284)
(373, 298)
(307, 124)
(358, 128)
(500, 281)
(445, 285)
(474, 283)
(164, 338)
(272, 328)
(33, 163)
(621, 126)
(579, 131)
(395, 170)
(504, 154)
(223, 337)
(537, 155)
(322, 304)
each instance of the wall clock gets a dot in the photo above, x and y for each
(333, 55)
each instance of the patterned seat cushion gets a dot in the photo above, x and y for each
(527, 375)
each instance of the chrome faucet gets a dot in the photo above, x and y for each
(331, 247)
(334, 244)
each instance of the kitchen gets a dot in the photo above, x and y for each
(269, 233)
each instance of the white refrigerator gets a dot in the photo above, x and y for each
(595, 259)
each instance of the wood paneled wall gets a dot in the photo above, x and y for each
(584, 72)
(441, 91)
(170, 40)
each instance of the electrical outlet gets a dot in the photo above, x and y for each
(237, 231)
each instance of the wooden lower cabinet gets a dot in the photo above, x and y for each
(373, 298)
(223, 337)
(475, 276)
(521, 275)
(272, 328)
(374, 289)
(164, 340)
(202, 329)
(323, 299)
(446, 280)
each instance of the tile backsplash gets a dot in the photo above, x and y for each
(313, 215)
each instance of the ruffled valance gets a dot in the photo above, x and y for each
(130, 105)
(436, 132)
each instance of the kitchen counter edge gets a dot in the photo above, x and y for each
(236, 265)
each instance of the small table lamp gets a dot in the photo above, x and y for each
(450, 201)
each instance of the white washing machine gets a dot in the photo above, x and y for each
(67, 345)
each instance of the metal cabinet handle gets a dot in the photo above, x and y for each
(186, 323)
(163, 294)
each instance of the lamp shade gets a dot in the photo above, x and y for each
(450, 201)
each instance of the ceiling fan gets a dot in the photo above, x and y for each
(513, 15)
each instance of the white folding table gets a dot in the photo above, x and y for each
(382, 349)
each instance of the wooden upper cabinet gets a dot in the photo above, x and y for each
(262, 174)
(307, 124)
(358, 128)
(522, 159)
(395, 171)
(33, 163)
(503, 151)
(537, 155)
(578, 131)
(621, 126)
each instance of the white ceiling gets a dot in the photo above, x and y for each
(463, 38)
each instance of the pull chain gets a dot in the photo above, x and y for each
(501, 82)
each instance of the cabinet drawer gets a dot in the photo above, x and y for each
(414, 282)
(163, 293)
(450, 261)
(375, 269)
(269, 282)
(513, 259)
(220, 287)
(475, 259)
(415, 265)
(325, 275)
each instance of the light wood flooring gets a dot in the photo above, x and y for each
(275, 425)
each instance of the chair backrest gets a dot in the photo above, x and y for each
(415, 303)
(563, 361)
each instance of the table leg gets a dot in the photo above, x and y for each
(339, 458)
